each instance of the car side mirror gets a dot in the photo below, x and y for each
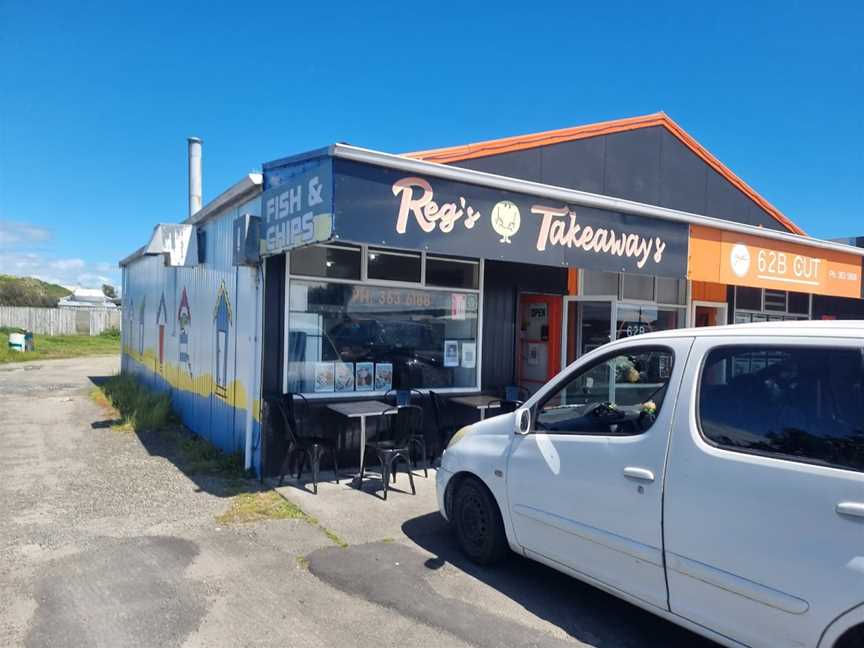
(523, 421)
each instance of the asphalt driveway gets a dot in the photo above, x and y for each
(104, 541)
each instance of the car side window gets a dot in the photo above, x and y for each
(804, 404)
(618, 395)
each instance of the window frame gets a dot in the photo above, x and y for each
(605, 357)
(366, 281)
(764, 454)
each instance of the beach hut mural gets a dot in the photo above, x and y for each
(161, 320)
(141, 326)
(184, 318)
(222, 320)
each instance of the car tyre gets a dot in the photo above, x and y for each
(478, 524)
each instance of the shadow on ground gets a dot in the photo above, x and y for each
(582, 611)
(218, 476)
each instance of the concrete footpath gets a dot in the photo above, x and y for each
(104, 541)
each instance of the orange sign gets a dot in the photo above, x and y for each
(743, 260)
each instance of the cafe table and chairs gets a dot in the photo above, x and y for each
(362, 410)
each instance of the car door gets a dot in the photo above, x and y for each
(765, 492)
(585, 485)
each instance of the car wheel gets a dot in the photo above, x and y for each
(478, 524)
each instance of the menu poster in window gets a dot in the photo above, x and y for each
(344, 376)
(324, 375)
(469, 355)
(364, 373)
(383, 376)
(458, 307)
(451, 353)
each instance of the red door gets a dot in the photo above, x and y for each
(539, 340)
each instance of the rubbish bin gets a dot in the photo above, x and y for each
(21, 342)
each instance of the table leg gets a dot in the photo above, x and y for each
(362, 439)
(482, 412)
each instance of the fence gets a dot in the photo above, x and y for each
(61, 321)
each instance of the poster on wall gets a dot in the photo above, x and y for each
(344, 378)
(364, 374)
(458, 306)
(451, 353)
(469, 354)
(324, 376)
(383, 376)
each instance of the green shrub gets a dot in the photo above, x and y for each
(112, 333)
(144, 410)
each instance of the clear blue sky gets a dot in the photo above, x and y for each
(97, 98)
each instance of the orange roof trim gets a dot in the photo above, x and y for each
(522, 142)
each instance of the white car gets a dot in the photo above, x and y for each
(713, 476)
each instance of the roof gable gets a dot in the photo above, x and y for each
(525, 143)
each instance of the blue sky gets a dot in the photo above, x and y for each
(97, 98)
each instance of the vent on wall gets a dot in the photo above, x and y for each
(202, 244)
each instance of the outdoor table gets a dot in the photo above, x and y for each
(361, 410)
(481, 403)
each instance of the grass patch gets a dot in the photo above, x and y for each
(50, 347)
(139, 409)
(334, 538)
(265, 505)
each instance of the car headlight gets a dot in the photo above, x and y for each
(460, 434)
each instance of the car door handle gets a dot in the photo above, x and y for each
(642, 474)
(850, 508)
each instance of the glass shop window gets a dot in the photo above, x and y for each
(799, 303)
(393, 266)
(360, 338)
(775, 300)
(452, 273)
(671, 291)
(332, 261)
(748, 298)
(639, 287)
(596, 283)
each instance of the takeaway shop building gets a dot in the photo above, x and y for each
(344, 272)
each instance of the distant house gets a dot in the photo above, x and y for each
(87, 298)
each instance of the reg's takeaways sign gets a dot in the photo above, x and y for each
(297, 209)
(392, 208)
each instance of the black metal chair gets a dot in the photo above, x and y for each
(393, 443)
(444, 429)
(401, 398)
(293, 408)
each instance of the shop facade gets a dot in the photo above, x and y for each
(469, 269)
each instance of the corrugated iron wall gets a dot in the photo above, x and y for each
(191, 331)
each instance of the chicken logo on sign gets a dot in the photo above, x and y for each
(506, 220)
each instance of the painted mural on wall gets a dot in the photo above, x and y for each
(222, 319)
(200, 368)
(161, 320)
(184, 318)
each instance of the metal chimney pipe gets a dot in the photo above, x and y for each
(194, 174)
